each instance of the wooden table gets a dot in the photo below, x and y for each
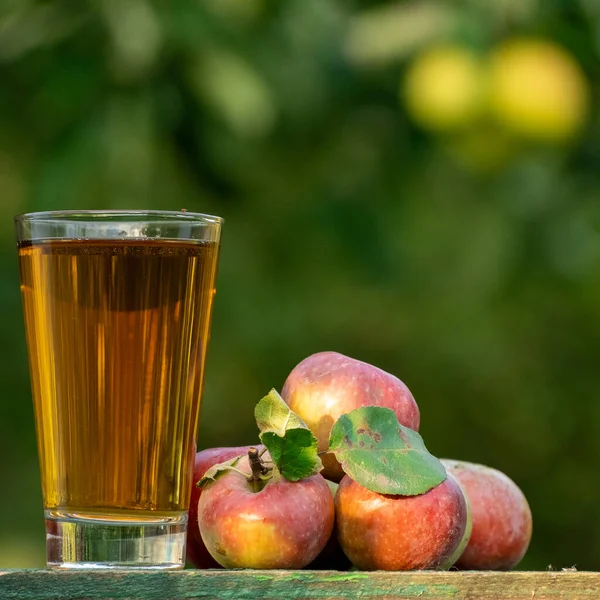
(288, 585)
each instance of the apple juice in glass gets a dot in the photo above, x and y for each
(117, 313)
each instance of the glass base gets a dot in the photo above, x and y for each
(77, 541)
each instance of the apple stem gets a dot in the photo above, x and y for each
(259, 469)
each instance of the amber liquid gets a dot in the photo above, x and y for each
(117, 332)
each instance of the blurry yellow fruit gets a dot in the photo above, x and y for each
(442, 89)
(538, 90)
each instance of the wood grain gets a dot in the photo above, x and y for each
(288, 585)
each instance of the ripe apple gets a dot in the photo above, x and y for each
(401, 533)
(277, 524)
(327, 385)
(502, 521)
(197, 554)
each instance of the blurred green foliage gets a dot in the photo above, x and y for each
(467, 262)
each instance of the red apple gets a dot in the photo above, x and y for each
(197, 554)
(401, 533)
(326, 385)
(502, 521)
(284, 525)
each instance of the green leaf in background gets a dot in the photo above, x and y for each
(292, 446)
(217, 470)
(382, 455)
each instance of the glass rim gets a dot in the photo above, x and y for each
(79, 216)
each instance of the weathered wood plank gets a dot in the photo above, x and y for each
(290, 585)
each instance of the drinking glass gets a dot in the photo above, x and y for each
(117, 309)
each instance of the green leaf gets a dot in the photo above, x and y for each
(217, 470)
(273, 414)
(292, 446)
(294, 454)
(382, 455)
